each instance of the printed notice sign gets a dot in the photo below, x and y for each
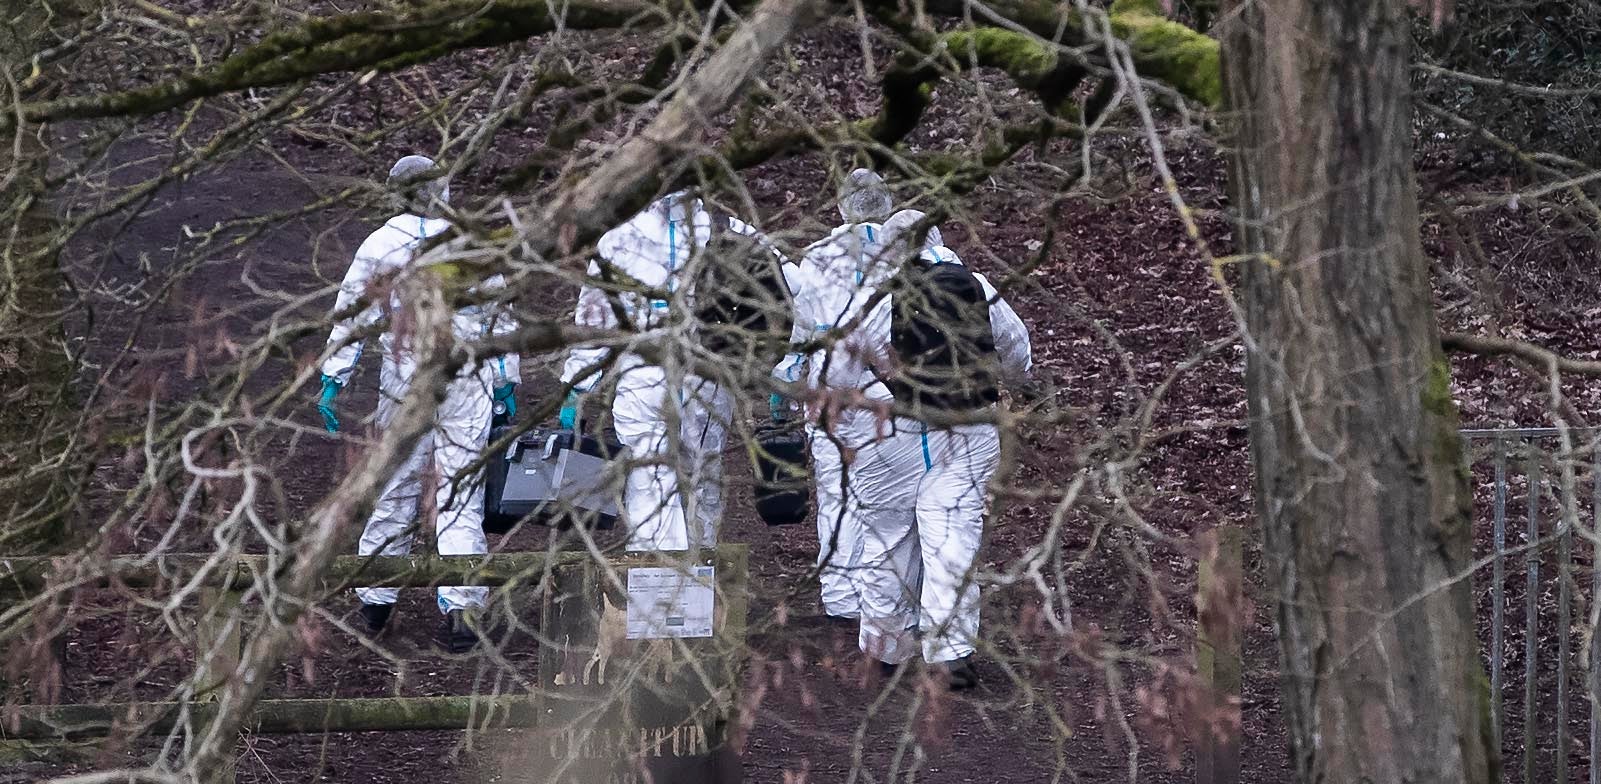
(667, 602)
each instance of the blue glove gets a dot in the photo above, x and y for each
(506, 395)
(325, 404)
(569, 411)
(778, 407)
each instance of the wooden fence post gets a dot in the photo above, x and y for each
(1219, 591)
(217, 628)
(621, 704)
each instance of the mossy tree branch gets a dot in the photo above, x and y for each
(1032, 64)
(387, 41)
(1168, 51)
(1162, 49)
(378, 41)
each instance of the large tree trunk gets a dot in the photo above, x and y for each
(1361, 483)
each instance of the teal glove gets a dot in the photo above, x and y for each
(506, 395)
(778, 407)
(325, 404)
(569, 411)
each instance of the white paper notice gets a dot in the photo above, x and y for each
(666, 602)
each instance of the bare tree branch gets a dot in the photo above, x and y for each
(377, 41)
(1486, 346)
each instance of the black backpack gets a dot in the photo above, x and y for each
(942, 340)
(741, 298)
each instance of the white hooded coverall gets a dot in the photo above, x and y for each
(461, 425)
(652, 249)
(839, 275)
(953, 469)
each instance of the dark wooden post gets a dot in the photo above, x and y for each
(1216, 725)
(624, 705)
(218, 628)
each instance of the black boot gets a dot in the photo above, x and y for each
(960, 674)
(454, 633)
(376, 616)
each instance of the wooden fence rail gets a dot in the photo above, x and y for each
(577, 610)
(277, 717)
(35, 573)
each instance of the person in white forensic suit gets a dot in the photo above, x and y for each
(957, 459)
(839, 274)
(368, 296)
(652, 251)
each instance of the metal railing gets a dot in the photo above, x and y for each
(1552, 475)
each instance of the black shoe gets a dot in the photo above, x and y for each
(960, 674)
(455, 635)
(376, 616)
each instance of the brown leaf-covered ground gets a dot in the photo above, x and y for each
(1122, 299)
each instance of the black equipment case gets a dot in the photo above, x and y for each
(549, 477)
(783, 496)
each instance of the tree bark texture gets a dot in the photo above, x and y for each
(1361, 482)
(36, 410)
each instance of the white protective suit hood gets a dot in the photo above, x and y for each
(421, 185)
(864, 198)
